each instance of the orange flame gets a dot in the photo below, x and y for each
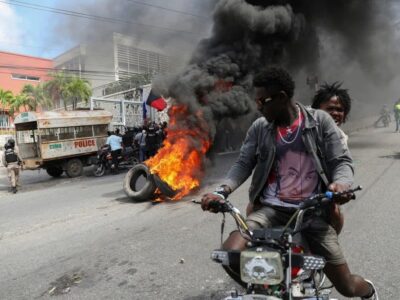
(179, 163)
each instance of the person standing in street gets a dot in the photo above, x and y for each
(152, 142)
(140, 141)
(12, 161)
(115, 142)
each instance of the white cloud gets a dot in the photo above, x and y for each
(10, 29)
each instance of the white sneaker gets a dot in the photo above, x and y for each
(375, 295)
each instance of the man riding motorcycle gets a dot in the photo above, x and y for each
(115, 142)
(295, 152)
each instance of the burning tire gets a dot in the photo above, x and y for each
(132, 186)
(164, 187)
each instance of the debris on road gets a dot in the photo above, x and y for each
(63, 284)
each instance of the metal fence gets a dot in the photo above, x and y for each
(127, 107)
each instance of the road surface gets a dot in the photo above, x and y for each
(83, 239)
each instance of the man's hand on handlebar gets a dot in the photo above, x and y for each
(337, 187)
(208, 199)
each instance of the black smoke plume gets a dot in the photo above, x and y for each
(297, 34)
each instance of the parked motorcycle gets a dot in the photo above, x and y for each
(128, 158)
(277, 264)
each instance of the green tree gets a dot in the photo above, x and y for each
(36, 97)
(5, 98)
(17, 102)
(77, 90)
(67, 89)
(54, 88)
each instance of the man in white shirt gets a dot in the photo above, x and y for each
(115, 143)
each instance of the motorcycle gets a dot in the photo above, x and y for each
(384, 118)
(276, 265)
(128, 158)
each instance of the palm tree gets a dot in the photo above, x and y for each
(18, 102)
(54, 88)
(5, 98)
(36, 97)
(67, 89)
(77, 90)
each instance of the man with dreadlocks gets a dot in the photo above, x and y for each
(293, 152)
(335, 101)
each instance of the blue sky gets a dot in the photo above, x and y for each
(29, 31)
(33, 32)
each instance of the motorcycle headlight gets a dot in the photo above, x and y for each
(261, 267)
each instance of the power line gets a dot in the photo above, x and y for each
(170, 9)
(89, 16)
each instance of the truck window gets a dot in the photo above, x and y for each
(49, 134)
(83, 131)
(26, 137)
(66, 133)
(100, 130)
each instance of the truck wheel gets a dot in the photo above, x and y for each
(54, 171)
(141, 193)
(74, 167)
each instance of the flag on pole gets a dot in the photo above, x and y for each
(156, 101)
(144, 109)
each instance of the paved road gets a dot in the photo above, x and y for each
(83, 239)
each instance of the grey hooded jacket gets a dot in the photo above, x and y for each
(321, 138)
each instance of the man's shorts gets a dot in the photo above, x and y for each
(321, 236)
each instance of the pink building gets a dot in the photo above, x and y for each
(17, 70)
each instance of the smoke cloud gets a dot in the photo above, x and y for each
(168, 30)
(342, 40)
(338, 40)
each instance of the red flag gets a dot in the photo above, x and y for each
(156, 101)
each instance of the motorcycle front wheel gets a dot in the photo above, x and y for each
(134, 161)
(99, 170)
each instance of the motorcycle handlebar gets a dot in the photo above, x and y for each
(328, 197)
(323, 198)
(221, 207)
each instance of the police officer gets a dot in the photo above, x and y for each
(12, 162)
(152, 142)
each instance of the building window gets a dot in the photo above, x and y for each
(25, 77)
